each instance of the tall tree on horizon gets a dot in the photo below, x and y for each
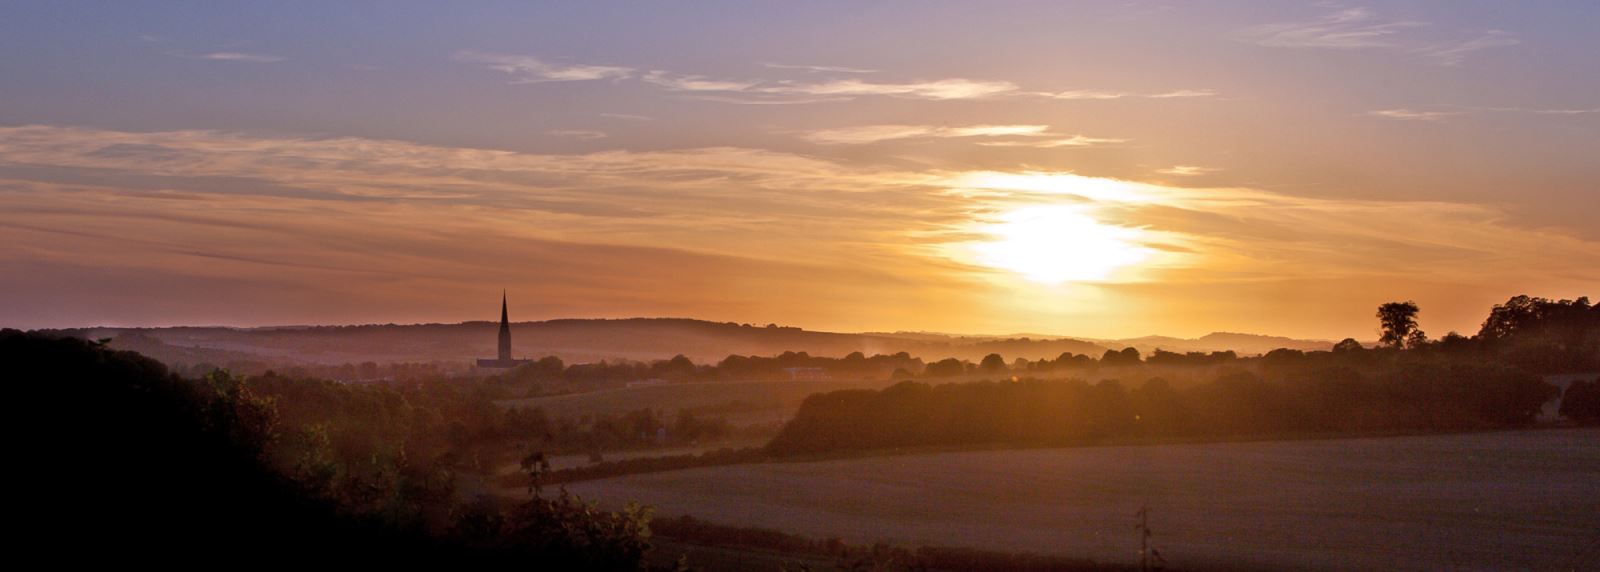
(1398, 323)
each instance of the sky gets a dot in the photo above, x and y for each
(1096, 169)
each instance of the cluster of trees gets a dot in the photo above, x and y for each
(1409, 383)
(1235, 403)
(1536, 334)
(639, 428)
(347, 438)
(734, 367)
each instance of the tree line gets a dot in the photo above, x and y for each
(1537, 334)
(1409, 383)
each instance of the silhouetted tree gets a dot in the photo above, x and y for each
(948, 367)
(1397, 321)
(1348, 346)
(1416, 339)
(992, 363)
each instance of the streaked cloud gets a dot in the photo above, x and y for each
(820, 69)
(759, 99)
(627, 116)
(1361, 28)
(240, 57)
(1454, 53)
(584, 134)
(1037, 136)
(1188, 170)
(1073, 141)
(943, 89)
(1089, 94)
(1348, 28)
(777, 91)
(1446, 112)
(1403, 114)
(695, 82)
(529, 69)
(875, 133)
(1539, 111)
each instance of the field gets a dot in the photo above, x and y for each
(1526, 500)
(740, 402)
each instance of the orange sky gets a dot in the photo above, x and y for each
(1260, 172)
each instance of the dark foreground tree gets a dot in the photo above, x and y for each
(120, 460)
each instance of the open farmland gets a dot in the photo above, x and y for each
(1525, 500)
(740, 402)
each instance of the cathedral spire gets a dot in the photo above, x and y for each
(505, 330)
(503, 358)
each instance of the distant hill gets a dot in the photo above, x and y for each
(1243, 344)
(586, 340)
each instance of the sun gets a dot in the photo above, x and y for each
(1058, 243)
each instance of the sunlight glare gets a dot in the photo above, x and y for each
(1090, 188)
(1058, 243)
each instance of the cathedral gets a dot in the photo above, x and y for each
(504, 360)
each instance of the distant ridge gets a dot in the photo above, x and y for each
(1243, 344)
(643, 339)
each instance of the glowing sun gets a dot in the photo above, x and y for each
(1055, 244)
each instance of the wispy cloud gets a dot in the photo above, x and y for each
(1406, 114)
(1073, 141)
(1349, 28)
(1547, 111)
(773, 91)
(875, 133)
(240, 57)
(627, 116)
(943, 89)
(1188, 170)
(1402, 114)
(695, 82)
(1090, 94)
(1360, 28)
(529, 69)
(584, 134)
(1454, 53)
(1036, 136)
(760, 99)
(821, 69)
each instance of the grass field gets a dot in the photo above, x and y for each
(1526, 500)
(740, 402)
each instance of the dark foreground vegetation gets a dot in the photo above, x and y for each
(139, 465)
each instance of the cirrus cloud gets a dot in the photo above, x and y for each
(529, 69)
